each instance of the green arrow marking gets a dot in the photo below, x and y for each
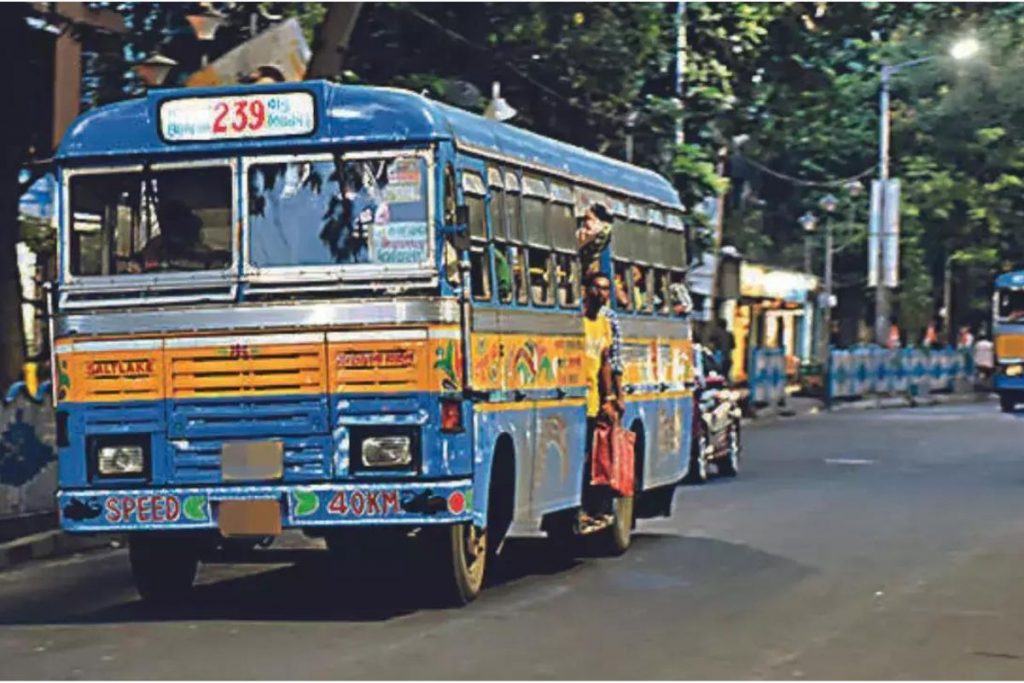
(306, 503)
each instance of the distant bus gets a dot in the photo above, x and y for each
(261, 325)
(1008, 336)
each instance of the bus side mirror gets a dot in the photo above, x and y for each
(458, 232)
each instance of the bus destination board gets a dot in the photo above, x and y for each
(195, 119)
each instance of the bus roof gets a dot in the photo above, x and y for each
(353, 115)
(1012, 279)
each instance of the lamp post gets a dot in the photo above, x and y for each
(961, 50)
(809, 222)
(828, 204)
(205, 25)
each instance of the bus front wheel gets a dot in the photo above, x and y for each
(1007, 402)
(461, 553)
(164, 569)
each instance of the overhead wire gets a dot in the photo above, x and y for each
(834, 182)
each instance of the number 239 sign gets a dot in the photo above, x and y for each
(193, 119)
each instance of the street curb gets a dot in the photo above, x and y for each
(49, 545)
(880, 403)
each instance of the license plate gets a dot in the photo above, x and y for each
(249, 518)
(252, 461)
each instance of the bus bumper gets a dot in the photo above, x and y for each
(321, 505)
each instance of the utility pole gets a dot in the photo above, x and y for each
(681, 49)
(881, 292)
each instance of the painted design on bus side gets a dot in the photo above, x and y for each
(532, 362)
(554, 438)
(487, 362)
(63, 379)
(446, 361)
(239, 351)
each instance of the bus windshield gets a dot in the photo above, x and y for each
(150, 221)
(1011, 305)
(326, 212)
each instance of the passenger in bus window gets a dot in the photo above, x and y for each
(622, 297)
(603, 368)
(593, 234)
(177, 243)
(639, 288)
(502, 274)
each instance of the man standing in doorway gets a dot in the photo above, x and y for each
(603, 371)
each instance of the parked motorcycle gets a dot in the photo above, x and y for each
(716, 421)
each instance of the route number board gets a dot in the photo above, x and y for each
(195, 119)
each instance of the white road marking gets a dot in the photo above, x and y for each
(848, 461)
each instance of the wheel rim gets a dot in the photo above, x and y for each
(474, 553)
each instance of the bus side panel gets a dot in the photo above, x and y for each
(560, 451)
(500, 425)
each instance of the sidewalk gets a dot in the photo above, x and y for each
(50, 544)
(798, 406)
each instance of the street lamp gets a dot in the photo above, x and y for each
(964, 48)
(828, 204)
(153, 70)
(808, 222)
(206, 23)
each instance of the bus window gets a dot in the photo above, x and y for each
(661, 282)
(343, 211)
(496, 210)
(568, 280)
(518, 266)
(473, 192)
(1011, 305)
(502, 272)
(542, 290)
(641, 288)
(451, 254)
(167, 220)
(623, 296)
(513, 209)
(480, 271)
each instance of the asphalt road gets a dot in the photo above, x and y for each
(877, 544)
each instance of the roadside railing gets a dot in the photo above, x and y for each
(866, 371)
(28, 459)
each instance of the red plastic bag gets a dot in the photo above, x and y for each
(612, 458)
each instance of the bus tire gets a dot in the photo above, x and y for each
(616, 539)
(460, 551)
(1007, 402)
(164, 569)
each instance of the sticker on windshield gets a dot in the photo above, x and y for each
(399, 243)
(404, 182)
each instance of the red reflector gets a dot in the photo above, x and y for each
(451, 416)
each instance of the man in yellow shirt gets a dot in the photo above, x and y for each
(603, 370)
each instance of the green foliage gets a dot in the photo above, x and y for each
(799, 80)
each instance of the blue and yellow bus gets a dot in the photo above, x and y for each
(1008, 338)
(351, 311)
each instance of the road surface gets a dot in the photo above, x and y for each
(875, 544)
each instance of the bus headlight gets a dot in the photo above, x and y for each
(122, 460)
(387, 451)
